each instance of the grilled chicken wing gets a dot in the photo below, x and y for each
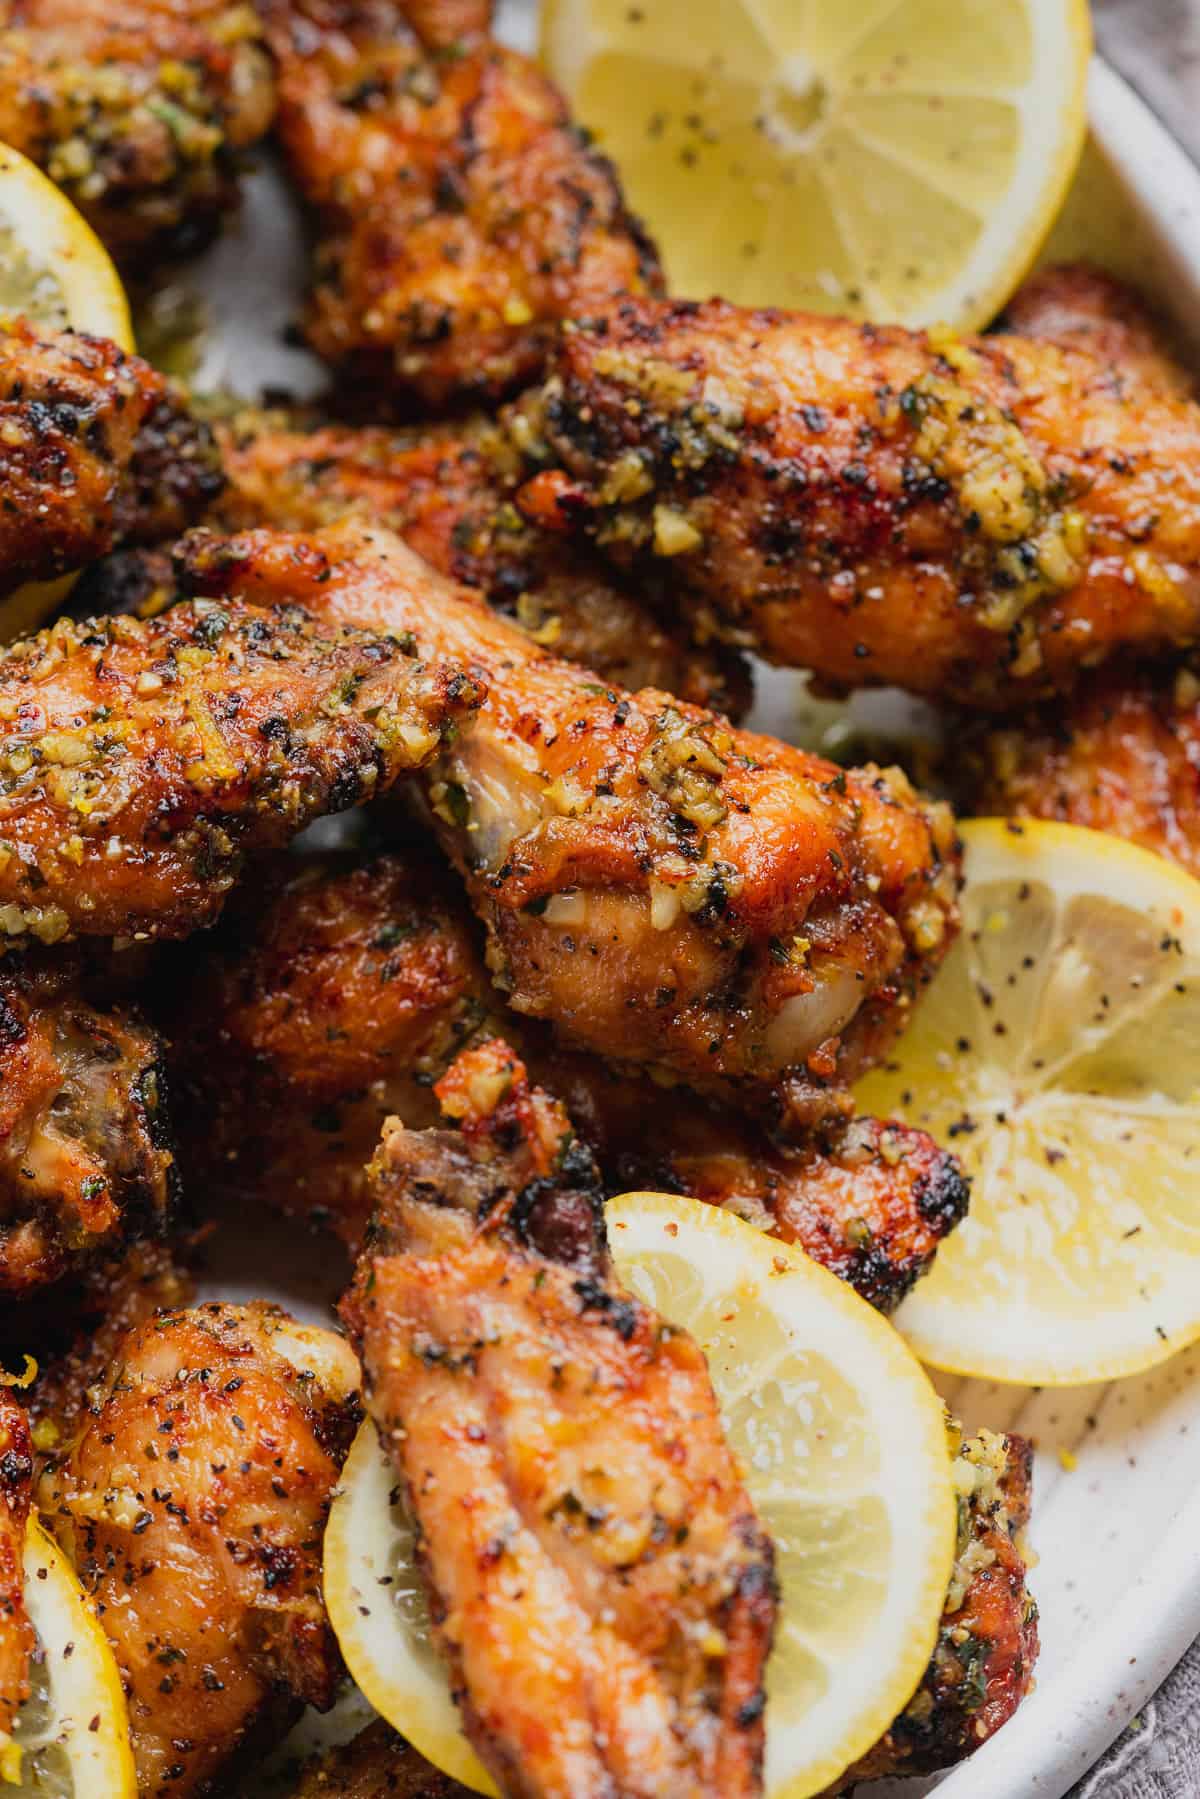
(600, 1585)
(972, 519)
(449, 497)
(193, 1504)
(139, 761)
(85, 1150)
(463, 216)
(1083, 308)
(664, 889)
(137, 111)
(16, 1634)
(95, 449)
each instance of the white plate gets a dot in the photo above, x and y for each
(1118, 1537)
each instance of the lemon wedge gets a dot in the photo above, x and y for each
(54, 269)
(900, 160)
(72, 1734)
(1058, 1053)
(843, 1442)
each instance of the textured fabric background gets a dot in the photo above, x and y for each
(1156, 46)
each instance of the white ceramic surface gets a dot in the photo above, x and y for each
(1118, 1537)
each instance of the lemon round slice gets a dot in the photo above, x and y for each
(54, 269)
(843, 1442)
(72, 1734)
(899, 160)
(1058, 1053)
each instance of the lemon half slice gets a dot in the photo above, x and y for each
(844, 1446)
(1058, 1053)
(54, 269)
(72, 1734)
(899, 160)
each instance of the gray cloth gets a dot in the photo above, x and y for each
(1156, 46)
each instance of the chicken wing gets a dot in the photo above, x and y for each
(85, 1150)
(193, 1503)
(16, 1633)
(137, 111)
(139, 761)
(600, 1585)
(666, 890)
(971, 519)
(95, 449)
(462, 214)
(449, 497)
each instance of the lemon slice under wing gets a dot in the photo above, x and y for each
(1058, 1053)
(844, 1446)
(72, 1734)
(894, 159)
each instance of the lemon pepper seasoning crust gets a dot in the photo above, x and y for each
(140, 761)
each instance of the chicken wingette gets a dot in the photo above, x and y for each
(193, 1503)
(666, 890)
(600, 1587)
(140, 761)
(972, 519)
(137, 111)
(338, 989)
(96, 449)
(16, 1633)
(461, 214)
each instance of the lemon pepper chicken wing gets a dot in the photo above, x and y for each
(140, 761)
(95, 449)
(593, 1561)
(16, 1634)
(193, 1504)
(448, 495)
(462, 215)
(664, 889)
(137, 111)
(975, 519)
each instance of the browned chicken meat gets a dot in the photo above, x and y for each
(338, 990)
(140, 761)
(16, 1634)
(193, 1503)
(1084, 308)
(664, 889)
(462, 216)
(972, 519)
(136, 110)
(600, 1586)
(95, 449)
(85, 1149)
(449, 497)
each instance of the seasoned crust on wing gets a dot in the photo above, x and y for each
(95, 449)
(193, 1503)
(137, 111)
(140, 761)
(17, 1639)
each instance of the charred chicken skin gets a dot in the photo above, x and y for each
(193, 1504)
(16, 1633)
(462, 214)
(449, 497)
(593, 1562)
(664, 889)
(140, 761)
(95, 450)
(137, 111)
(972, 519)
(85, 1149)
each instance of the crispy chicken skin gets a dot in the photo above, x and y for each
(598, 1581)
(85, 1149)
(95, 449)
(761, 919)
(1084, 308)
(136, 110)
(16, 1633)
(140, 761)
(449, 496)
(338, 991)
(462, 214)
(193, 1504)
(971, 519)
